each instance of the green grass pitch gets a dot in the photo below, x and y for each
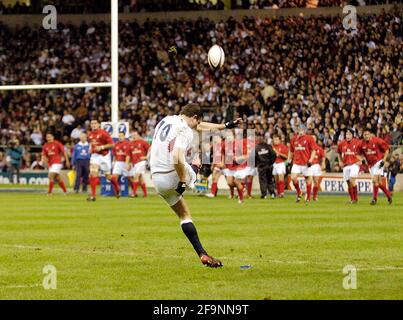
(135, 249)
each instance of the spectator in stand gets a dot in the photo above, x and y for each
(68, 121)
(37, 164)
(126, 6)
(3, 163)
(15, 154)
(37, 137)
(317, 74)
(396, 134)
(76, 133)
(393, 169)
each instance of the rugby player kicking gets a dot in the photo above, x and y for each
(170, 172)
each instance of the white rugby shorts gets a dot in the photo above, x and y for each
(351, 171)
(55, 168)
(120, 168)
(166, 184)
(298, 169)
(103, 162)
(228, 172)
(279, 168)
(376, 170)
(314, 170)
(138, 168)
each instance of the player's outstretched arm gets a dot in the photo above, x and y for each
(215, 126)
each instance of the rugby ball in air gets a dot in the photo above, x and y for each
(216, 57)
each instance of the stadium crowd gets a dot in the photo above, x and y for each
(127, 6)
(278, 73)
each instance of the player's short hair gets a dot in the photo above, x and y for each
(351, 130)
(191, 110)
(276, 136)
(50, 133)
(261, 137)
(134, 130)
(369, 130)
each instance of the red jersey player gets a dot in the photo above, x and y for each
(348, 154)
(217, 166)
(120, 152)
(302, 153)
(376, 151)
(250, 142)
(52, 153)
(279, 169)
(318, 164)
(137, 157)
(234, 171)
(100, 145)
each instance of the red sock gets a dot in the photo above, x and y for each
(350, 192)
(51, 184)
(214, 188)
(93, 184)
(375, 192)
(315, 191)
(355, 193)
(144, 188)
(63, 186)
(135, 185)
(240, 193)
(231, 190)
(115, 185)
(249, 188)
(308, 191)
(385, 190)
(281, 185)
(296, 185)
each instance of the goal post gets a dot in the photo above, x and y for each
(114, 84)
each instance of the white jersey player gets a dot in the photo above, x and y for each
(170, 172)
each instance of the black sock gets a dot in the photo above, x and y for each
(191, 233)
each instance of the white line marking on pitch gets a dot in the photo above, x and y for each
(22, 286)
(39, 248)
(125, 253)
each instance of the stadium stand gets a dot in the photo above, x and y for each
(278, 74)
(103, 6)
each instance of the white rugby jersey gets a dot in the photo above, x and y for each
(170, 132)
